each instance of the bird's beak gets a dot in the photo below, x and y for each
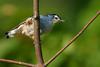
(61, 20)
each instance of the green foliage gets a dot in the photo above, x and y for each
(85, 52)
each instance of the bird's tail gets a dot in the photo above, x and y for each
(10, 33)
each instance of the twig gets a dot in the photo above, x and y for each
(73, 39)
(17, 62)
(36, 39)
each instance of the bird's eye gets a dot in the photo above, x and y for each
(56, 18)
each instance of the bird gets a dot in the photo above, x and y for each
(27, 27)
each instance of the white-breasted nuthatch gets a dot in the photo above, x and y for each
(27, 26)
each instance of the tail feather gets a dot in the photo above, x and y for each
(10, 33)
(6, 34)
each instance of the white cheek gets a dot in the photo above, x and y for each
(55, 21)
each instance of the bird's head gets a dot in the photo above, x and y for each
(56, 18)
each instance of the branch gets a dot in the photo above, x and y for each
(17, 62)
(73, 39)
(36, 39)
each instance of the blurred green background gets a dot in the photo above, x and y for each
(85, 52)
